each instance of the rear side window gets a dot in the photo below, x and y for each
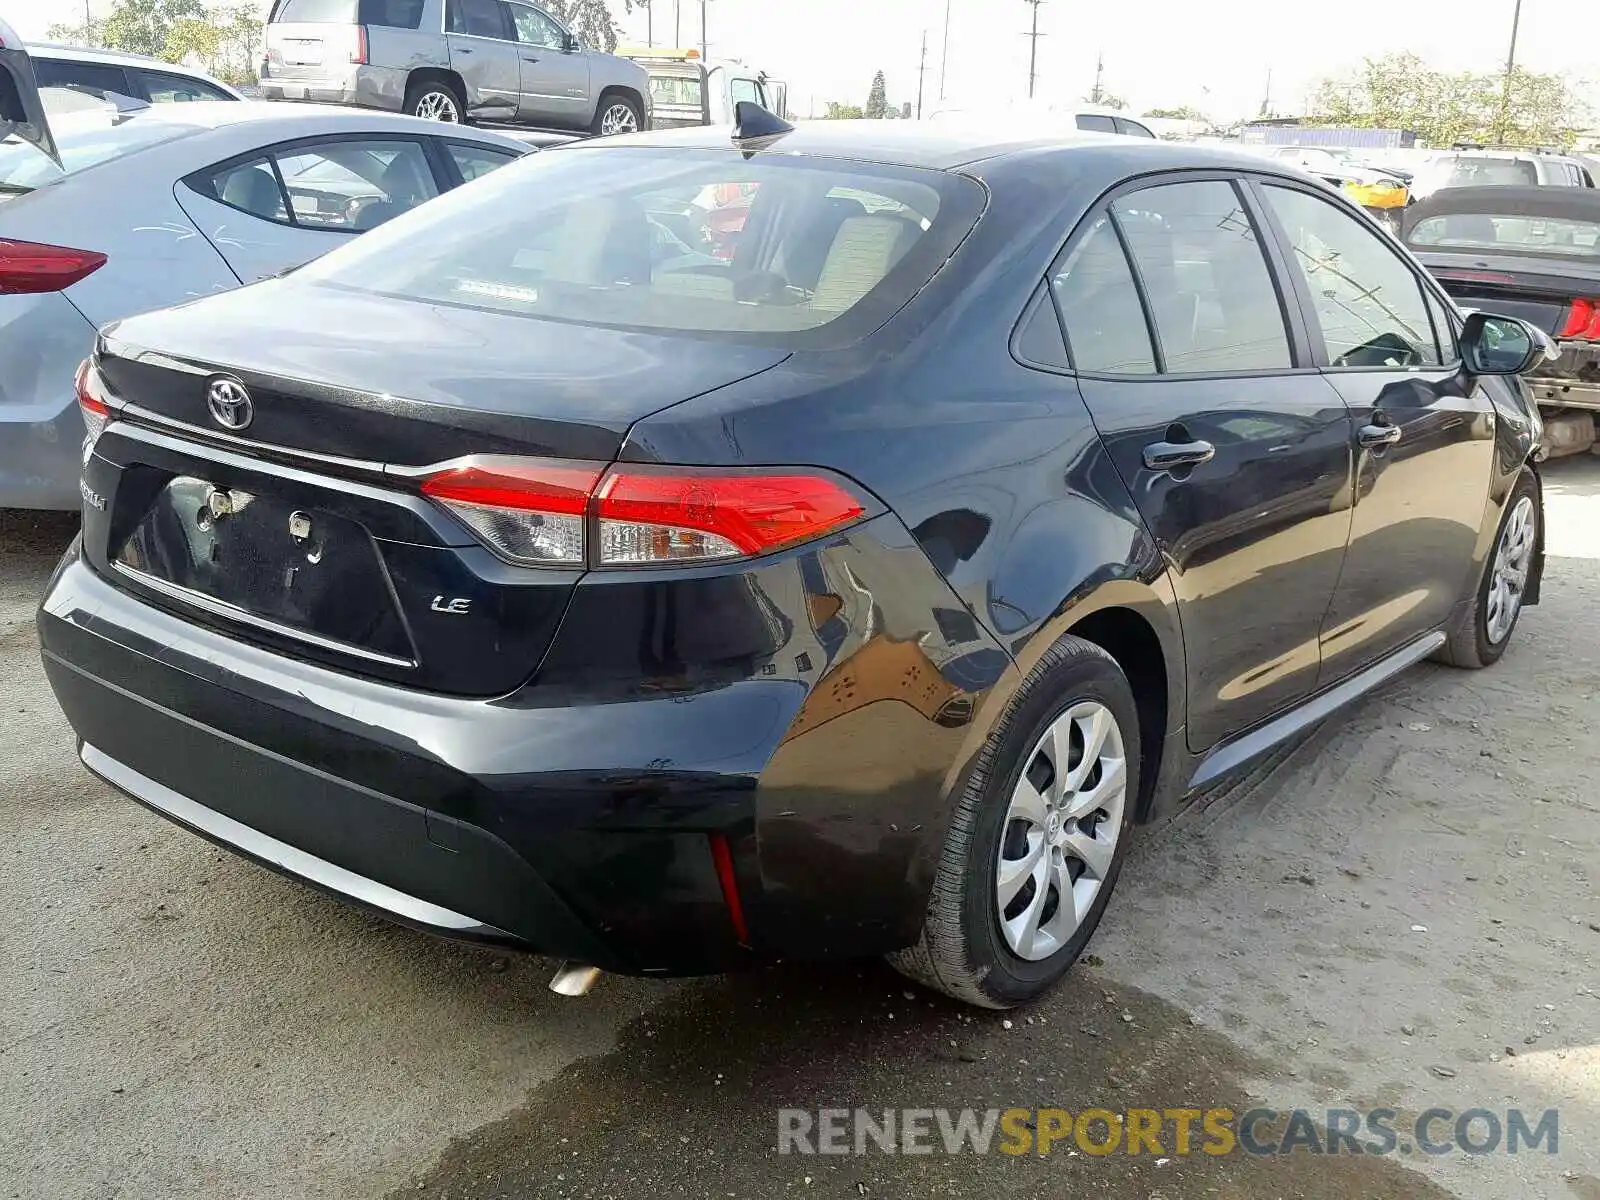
(392, 14)
(345, 186)
(1205, 274)
(1100, 307)
(1368, 303)
(473, 161)
(676, 241)
(98, 77)
(1132, 128)
(480, 18)
(1096, 123)
(178, 89)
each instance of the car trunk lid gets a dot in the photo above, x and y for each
(304, 528)
(1537, 292)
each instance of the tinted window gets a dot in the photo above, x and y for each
(536, 29)
(176, 89)
(1568, 237)
(1094, 288)
(251, 187)
(675, 90)
(1443, 327)
(1039, 339)
(1465, 171)
(394, 14)
(1369, 304)
(1096, 122)
(317, 12)
(355, 185)
(656, 240)
(96, 76)
(481, 18)
(1206, 276)
(744, 89)
(1132, 128)
(473, 161)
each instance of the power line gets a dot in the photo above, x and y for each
(1033, 49)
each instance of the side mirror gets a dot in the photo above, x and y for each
(1492, 345)
(573, 45)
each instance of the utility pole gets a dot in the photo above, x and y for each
(677, 23)
(944, 58)
(1097, 94)
(705, 46)
(1266, 100)
(922, 70)
(649, 25)
(88, 25)
(1511, 66)
(1033, 50)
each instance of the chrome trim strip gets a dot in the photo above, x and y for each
(145, 417)
(1241, 750)
(233, 612)
(254, 844)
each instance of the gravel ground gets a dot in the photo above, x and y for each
(1399, 912)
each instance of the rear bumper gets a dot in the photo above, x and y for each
(577, 817)
(364, 86)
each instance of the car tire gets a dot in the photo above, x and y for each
(436, 100)
(1483, 630)
(616, 114)
(974, 945)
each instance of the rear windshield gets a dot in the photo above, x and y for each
(1572, 237)
(1481, 172)
(316, 12)
(675, 91)
(85, 138)
(675, 241)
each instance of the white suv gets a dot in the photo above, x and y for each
(1499, 168)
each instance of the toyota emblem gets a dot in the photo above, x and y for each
(229, 403)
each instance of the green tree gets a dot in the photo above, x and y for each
(842, 112)
(1401, 91)
(143, 26)
(1186, 113)
(591, 20)
(877, 99)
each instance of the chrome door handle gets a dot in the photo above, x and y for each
(1173, 456)
(529, 58)
(463, 49)
(1374, 436)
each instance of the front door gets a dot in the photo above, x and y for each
(484, 52)
(1235, 449)
(1423, 431)
(555, 79)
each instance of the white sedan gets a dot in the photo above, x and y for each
(152, 205)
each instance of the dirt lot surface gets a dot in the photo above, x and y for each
(1401, 912)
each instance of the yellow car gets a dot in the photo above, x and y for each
(1380, 193)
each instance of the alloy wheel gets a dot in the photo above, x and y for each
(1513, 558)
(1061, 831)
(619, 118)
(438, 106)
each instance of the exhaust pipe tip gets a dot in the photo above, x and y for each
(574, 979)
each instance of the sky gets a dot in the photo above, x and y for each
(1165, 53)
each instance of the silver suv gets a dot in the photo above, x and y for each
(451, 60)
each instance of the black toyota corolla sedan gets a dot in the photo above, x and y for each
(674, 553)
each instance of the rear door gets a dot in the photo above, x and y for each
(484, 52)
(1423, 433)
(555, 80)
(290, 203)
(1235, 449)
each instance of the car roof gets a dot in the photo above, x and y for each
(1578, 203)
(121, 58)
(936, 146)
(282, 120)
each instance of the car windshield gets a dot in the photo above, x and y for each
(1570, 236)
(678, 241)
(88, 131)
(1469, 171)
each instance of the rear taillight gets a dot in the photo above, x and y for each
(359, 54)
(92, 404)
(563, 514)
(1580, 319)
(28, 268)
